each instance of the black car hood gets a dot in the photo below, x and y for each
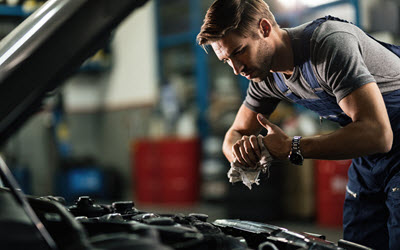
(49, 46)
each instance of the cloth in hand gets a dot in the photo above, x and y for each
(248, 175)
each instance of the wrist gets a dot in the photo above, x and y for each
(286, 149)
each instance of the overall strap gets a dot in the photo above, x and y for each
(283, 88)
(305, 65)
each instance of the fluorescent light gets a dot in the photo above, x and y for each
(288, 3)
(314, 3)
(291, 4)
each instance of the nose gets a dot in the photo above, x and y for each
(237, 67)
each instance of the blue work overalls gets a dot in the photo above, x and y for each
(372, 206)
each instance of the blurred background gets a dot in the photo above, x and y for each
(144, 120)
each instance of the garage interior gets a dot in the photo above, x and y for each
(144, 118)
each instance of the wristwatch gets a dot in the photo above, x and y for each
(295, 156)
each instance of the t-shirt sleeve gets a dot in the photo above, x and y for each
(340, 64)
(259, 100)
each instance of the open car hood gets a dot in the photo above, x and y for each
(49, 46)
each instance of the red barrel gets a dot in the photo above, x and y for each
(166, 171)
(145, 169)
(331, 180)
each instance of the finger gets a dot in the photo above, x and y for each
(245, 157)
(255, 146)
(250, 157)
(237, 154)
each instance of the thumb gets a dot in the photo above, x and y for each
(264, 121)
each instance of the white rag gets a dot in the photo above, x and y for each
(247, 175)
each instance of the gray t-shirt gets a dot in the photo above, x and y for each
(343, 58)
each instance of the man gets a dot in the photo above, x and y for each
(335, 69)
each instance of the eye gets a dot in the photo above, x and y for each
(240, 51)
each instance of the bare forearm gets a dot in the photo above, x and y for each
(231, 137)
(356, 139)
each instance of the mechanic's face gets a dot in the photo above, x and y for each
(250, 57)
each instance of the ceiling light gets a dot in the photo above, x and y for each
(291, 4)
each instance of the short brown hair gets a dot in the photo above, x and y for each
(232, 15)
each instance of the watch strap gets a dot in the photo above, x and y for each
(296, 144)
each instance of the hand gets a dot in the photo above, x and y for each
(247, 151)
(276, 141)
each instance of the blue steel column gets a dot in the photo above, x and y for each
(159, 47)
(356, 4)
(201, 69)
(243, 85)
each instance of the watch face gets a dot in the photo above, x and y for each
(296, 158)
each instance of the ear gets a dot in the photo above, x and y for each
(265, 27)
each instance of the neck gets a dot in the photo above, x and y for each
(283, 58)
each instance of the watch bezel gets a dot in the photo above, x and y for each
(296, 158)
